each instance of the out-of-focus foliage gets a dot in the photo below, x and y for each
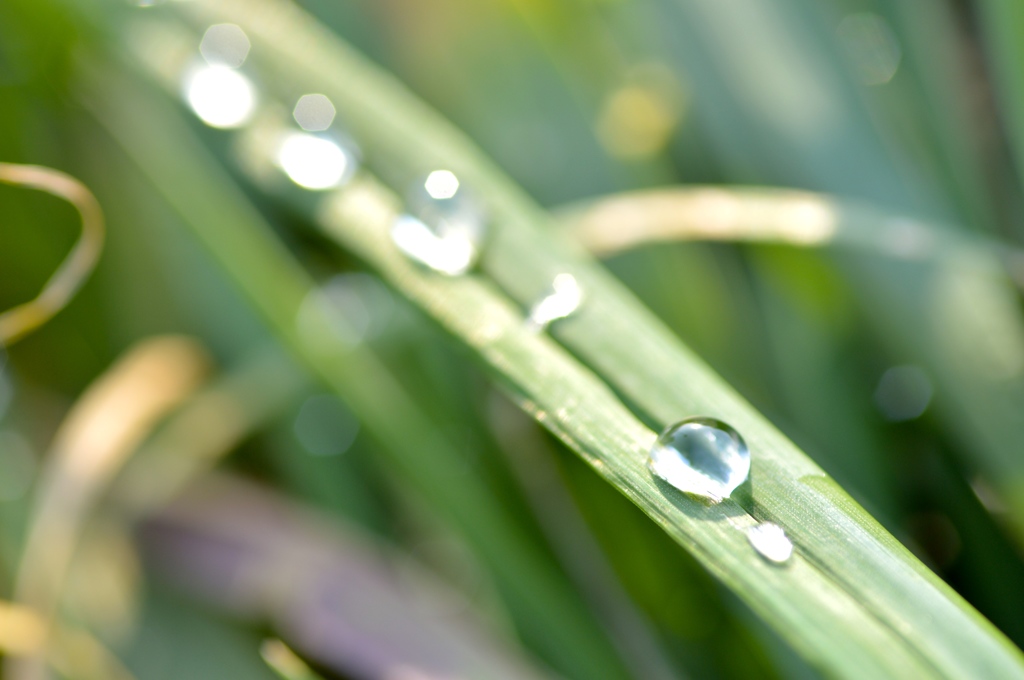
(426, 528)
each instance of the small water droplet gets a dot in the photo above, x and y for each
(221, 96)
(445, 225)
(441, 184)
(315, 162)
(771, 542)
(701, 456)
(563, 299)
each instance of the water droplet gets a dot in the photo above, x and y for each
(225, 44)
(315, 162)
(441, 184)
(701, 456)
(220, 96)
(444, 227)
(314, 112)
(563, 299)
(903, 393)
(771, 542)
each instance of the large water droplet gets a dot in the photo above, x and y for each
(701, 456)
(445, 226)
(771, 542)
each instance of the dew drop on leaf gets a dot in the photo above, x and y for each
(771, 542)
(445, 225)
(701, 456)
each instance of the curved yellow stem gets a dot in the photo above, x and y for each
(19, 321)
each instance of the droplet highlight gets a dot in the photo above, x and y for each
(701, 456)
(444, 227)
(771, 542)
(221, 96)
(561, 301)
(314, 162)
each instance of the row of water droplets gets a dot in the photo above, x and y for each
(443, 230)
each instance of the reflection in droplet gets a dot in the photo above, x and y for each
(451, 254)
(563, 299)
(17, 466)
(441, 184)
(871, 46)
(324, 426)
(314, 112)
(771, 542)
(903, 393)
(701, 456)
(314, 162)
(445, 226)
(225, 44)
(220, 96)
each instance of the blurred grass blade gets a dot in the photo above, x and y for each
(207, 427)
(97, 436)
(69, 277)
(612, 224)
(1003, 22)
(285, 662)
(73, 652)
(342, 601)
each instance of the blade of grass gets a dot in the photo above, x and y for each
(346, 602)
(94, 441)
